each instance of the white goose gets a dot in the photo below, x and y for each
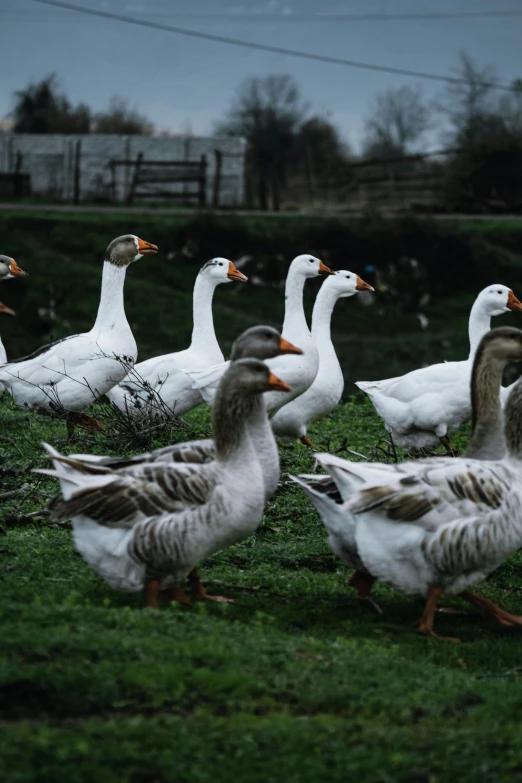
(151, 532)
(435, 525)
(300, 373)
(258, 342)
(8, 268)
(157, 384)
(426, 406)
(63, 378)
(292, 420)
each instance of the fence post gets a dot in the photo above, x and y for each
(203, 182)
(217, 179)
(18, 187)
(135, 178)
(77, 171)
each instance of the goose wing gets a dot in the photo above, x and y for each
(438, 492)
(435, 526)
(351, 477)
(197, 452)
(49, 365)
(207, 380)
(406, 388)
(122, 497)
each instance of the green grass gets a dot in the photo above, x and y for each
(63, 253)
(297, 681)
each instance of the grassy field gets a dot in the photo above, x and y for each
(297, 681)
(63, 254)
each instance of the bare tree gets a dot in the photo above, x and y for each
(268, 113)
(487, 130)
(322, 155)
(398, 119)
(471, 106)
(121, 118)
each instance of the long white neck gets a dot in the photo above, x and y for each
(322, 316)
(111, 311)
(479, 325)
(203, 334)
(295, 320)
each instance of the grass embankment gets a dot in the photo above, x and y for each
(63, 252)
(298, 681)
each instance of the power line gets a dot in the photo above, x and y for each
(293, 17)
(267, 47)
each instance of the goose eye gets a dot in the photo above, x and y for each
(221, 263)
(499, 292)
(311, 260)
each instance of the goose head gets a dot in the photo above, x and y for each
(261, 342)
(346, 283)
(310, 266)
(252, 376)
(123, 250)
(502, 345)
(9, 268)
(221, 270)
(498, 299)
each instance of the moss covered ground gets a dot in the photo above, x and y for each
(297, 681)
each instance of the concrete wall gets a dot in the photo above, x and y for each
(50, 158)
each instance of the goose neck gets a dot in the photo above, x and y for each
(234, 414)
(322, 314)
(513, 422)
(487, 414)
(479, 325)
(203, 333)
(111, 311)
(295, 319)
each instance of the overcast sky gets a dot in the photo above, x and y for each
(180, 83)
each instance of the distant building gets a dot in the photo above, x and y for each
(107, 167)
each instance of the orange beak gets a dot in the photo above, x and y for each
(15, 270)
(276, 384)
(286, 347)
(513, 303)
(325, 270)
(146, 248)
(5, 309)
(235, 274)
(362, 286)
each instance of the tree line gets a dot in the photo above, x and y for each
(290, 149)
(42, 107)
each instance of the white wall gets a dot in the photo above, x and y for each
(49, 159)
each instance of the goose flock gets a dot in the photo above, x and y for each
(430, 526)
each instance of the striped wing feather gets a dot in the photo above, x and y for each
(140, 491)
(197, 452)
(450, 488)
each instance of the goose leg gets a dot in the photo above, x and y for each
(199, 592)
(425, 624)
(151, 592)
(71, 437)
(447, 445)
(81, 420)
(361, 582)
(394, 450)
(489, 609)
(175, 593)
(88, 422)
(307, 442)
